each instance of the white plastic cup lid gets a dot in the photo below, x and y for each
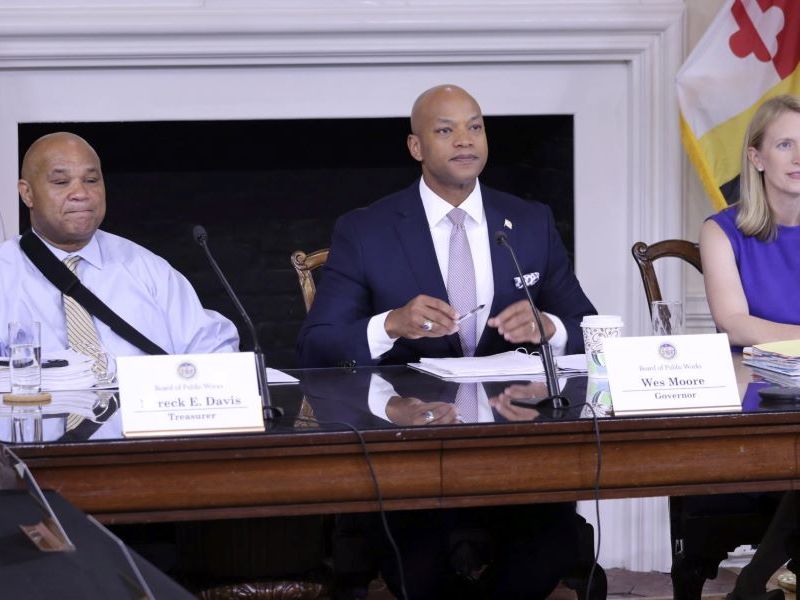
(602, 321)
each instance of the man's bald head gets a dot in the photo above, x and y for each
(61, 182)
(430, 98)
(38, 151)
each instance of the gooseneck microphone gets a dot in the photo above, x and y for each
(201, 237)
(555, 398)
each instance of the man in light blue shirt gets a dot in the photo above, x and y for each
(62, 185)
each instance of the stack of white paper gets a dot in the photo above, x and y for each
(276, 377)
(780, 357)
(500, 366)
(76, 375)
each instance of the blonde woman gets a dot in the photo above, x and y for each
(751, 250)
(751, 265)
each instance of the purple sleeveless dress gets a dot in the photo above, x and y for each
(770, 271)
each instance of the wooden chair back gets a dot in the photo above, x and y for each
(703, 528)
(645, 255)
(304, 264)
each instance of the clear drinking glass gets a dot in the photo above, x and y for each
(25, 357)
(26, 424)
(667, 317)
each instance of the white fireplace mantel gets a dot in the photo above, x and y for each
(308, 32)
(611, 64)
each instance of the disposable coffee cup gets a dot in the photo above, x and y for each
(596, 328)
(598, 398)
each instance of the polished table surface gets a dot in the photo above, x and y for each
(310, 461)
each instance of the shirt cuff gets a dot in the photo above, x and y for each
(380, 392)
(558, 343)
(378, 340)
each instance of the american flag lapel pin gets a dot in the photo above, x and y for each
(508, 224)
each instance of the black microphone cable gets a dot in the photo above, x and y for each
(596, 487)
(379, 495)
(596, 427)
(382, 510)
(558, 400)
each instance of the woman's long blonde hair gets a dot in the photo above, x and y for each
(755, 215)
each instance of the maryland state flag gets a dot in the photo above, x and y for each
(750, 53)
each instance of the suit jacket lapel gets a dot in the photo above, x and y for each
(417, 245)
(502, 265)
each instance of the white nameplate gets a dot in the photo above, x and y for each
(671, 374)
(189, 394)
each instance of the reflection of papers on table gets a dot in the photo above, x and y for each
(76, 402)
(498, 366)
(275, 377)
(780, 357)
(777, 378)
(77, 375)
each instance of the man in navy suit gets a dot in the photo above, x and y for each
(382, 297)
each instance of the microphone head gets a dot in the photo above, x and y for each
(500, 237)
(199, 234)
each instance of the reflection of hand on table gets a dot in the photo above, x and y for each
(502, 402)
(413, 411)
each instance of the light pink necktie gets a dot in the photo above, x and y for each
(466, 402)
(461, 280)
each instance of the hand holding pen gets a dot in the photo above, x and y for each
(425, 316)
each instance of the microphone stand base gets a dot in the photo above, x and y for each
(270, 412)
(557, 402)
(553, 407)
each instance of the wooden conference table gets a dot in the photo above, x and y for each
(299, 467)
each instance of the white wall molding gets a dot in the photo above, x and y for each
(311, 32)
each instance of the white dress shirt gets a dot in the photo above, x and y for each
(436, 209)
(138, 285)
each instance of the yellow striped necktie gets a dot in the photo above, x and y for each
(82, 335)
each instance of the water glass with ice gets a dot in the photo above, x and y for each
(667, 316)
(25, 357)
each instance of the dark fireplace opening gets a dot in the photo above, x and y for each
(263, 189)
